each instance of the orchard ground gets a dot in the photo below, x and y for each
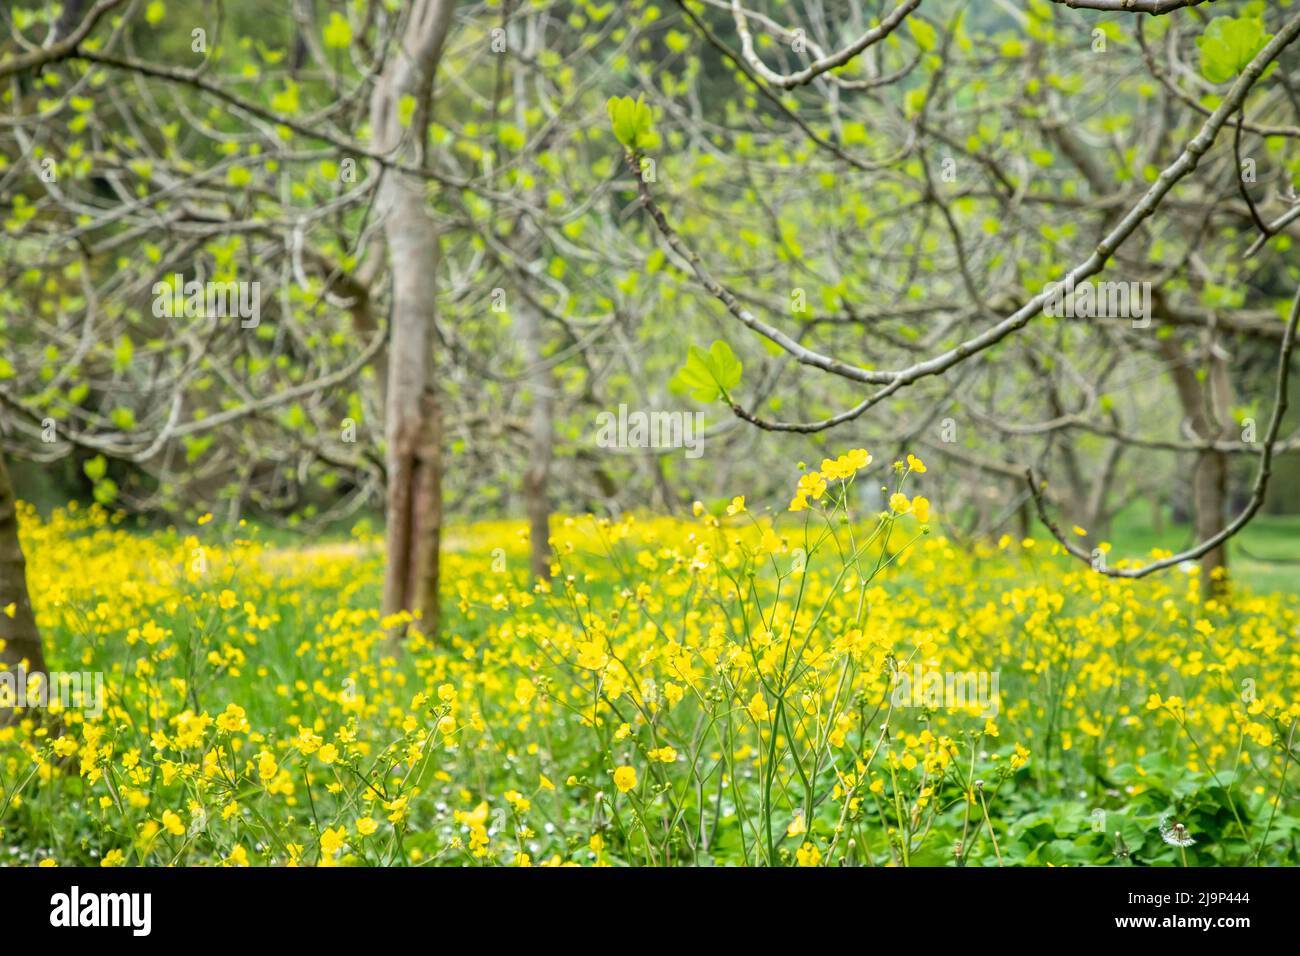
(712, 689)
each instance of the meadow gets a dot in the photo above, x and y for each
(715, 689)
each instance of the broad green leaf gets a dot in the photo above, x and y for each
(1229, 44)
(726, 367)
(710, 375)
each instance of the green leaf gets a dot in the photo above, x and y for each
(123, 351)
(727, 367)
(620, 111)
(924, 34)
(632, 122)
(338, 32)
(710, 375)
(286, 101)
(194, 447)
(405, 110)
(106, 491)
(95, 468)
(1229, 44)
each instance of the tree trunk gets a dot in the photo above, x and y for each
(540, 444)
(18, 634)
(1210, 483)
(1209, 508)
(1208, 407)
(412, 416)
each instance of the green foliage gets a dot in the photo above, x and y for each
(633, 122)
(96, 470)
(337, 34)
(710, 375)
(1229, 44)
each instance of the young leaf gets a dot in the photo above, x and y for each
(338, 32)
(632, 121)
(726, 367)
(695, 376)
(709, 375)
(1229, 44)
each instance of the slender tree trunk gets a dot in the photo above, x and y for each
(1208, 406)
(1098, 515)
(1209, 510)
(1210, 483)
(412, 424)
(540, 444)
(18, 634)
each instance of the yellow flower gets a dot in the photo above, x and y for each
(846, 465)
(832, 470)
(625, 778)
(227, 599)
(266, 766)
(663, 754)
(367, 826)
(858, 458)
(916, 464)
(232, 719)
(328, 754)
(525, 690)
(397, 809)
(172, 823)
(811, 485)
(737, 505)
(331, 840)
(898, 501)
(921, 508)
(808, 855)
(1019, 758)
